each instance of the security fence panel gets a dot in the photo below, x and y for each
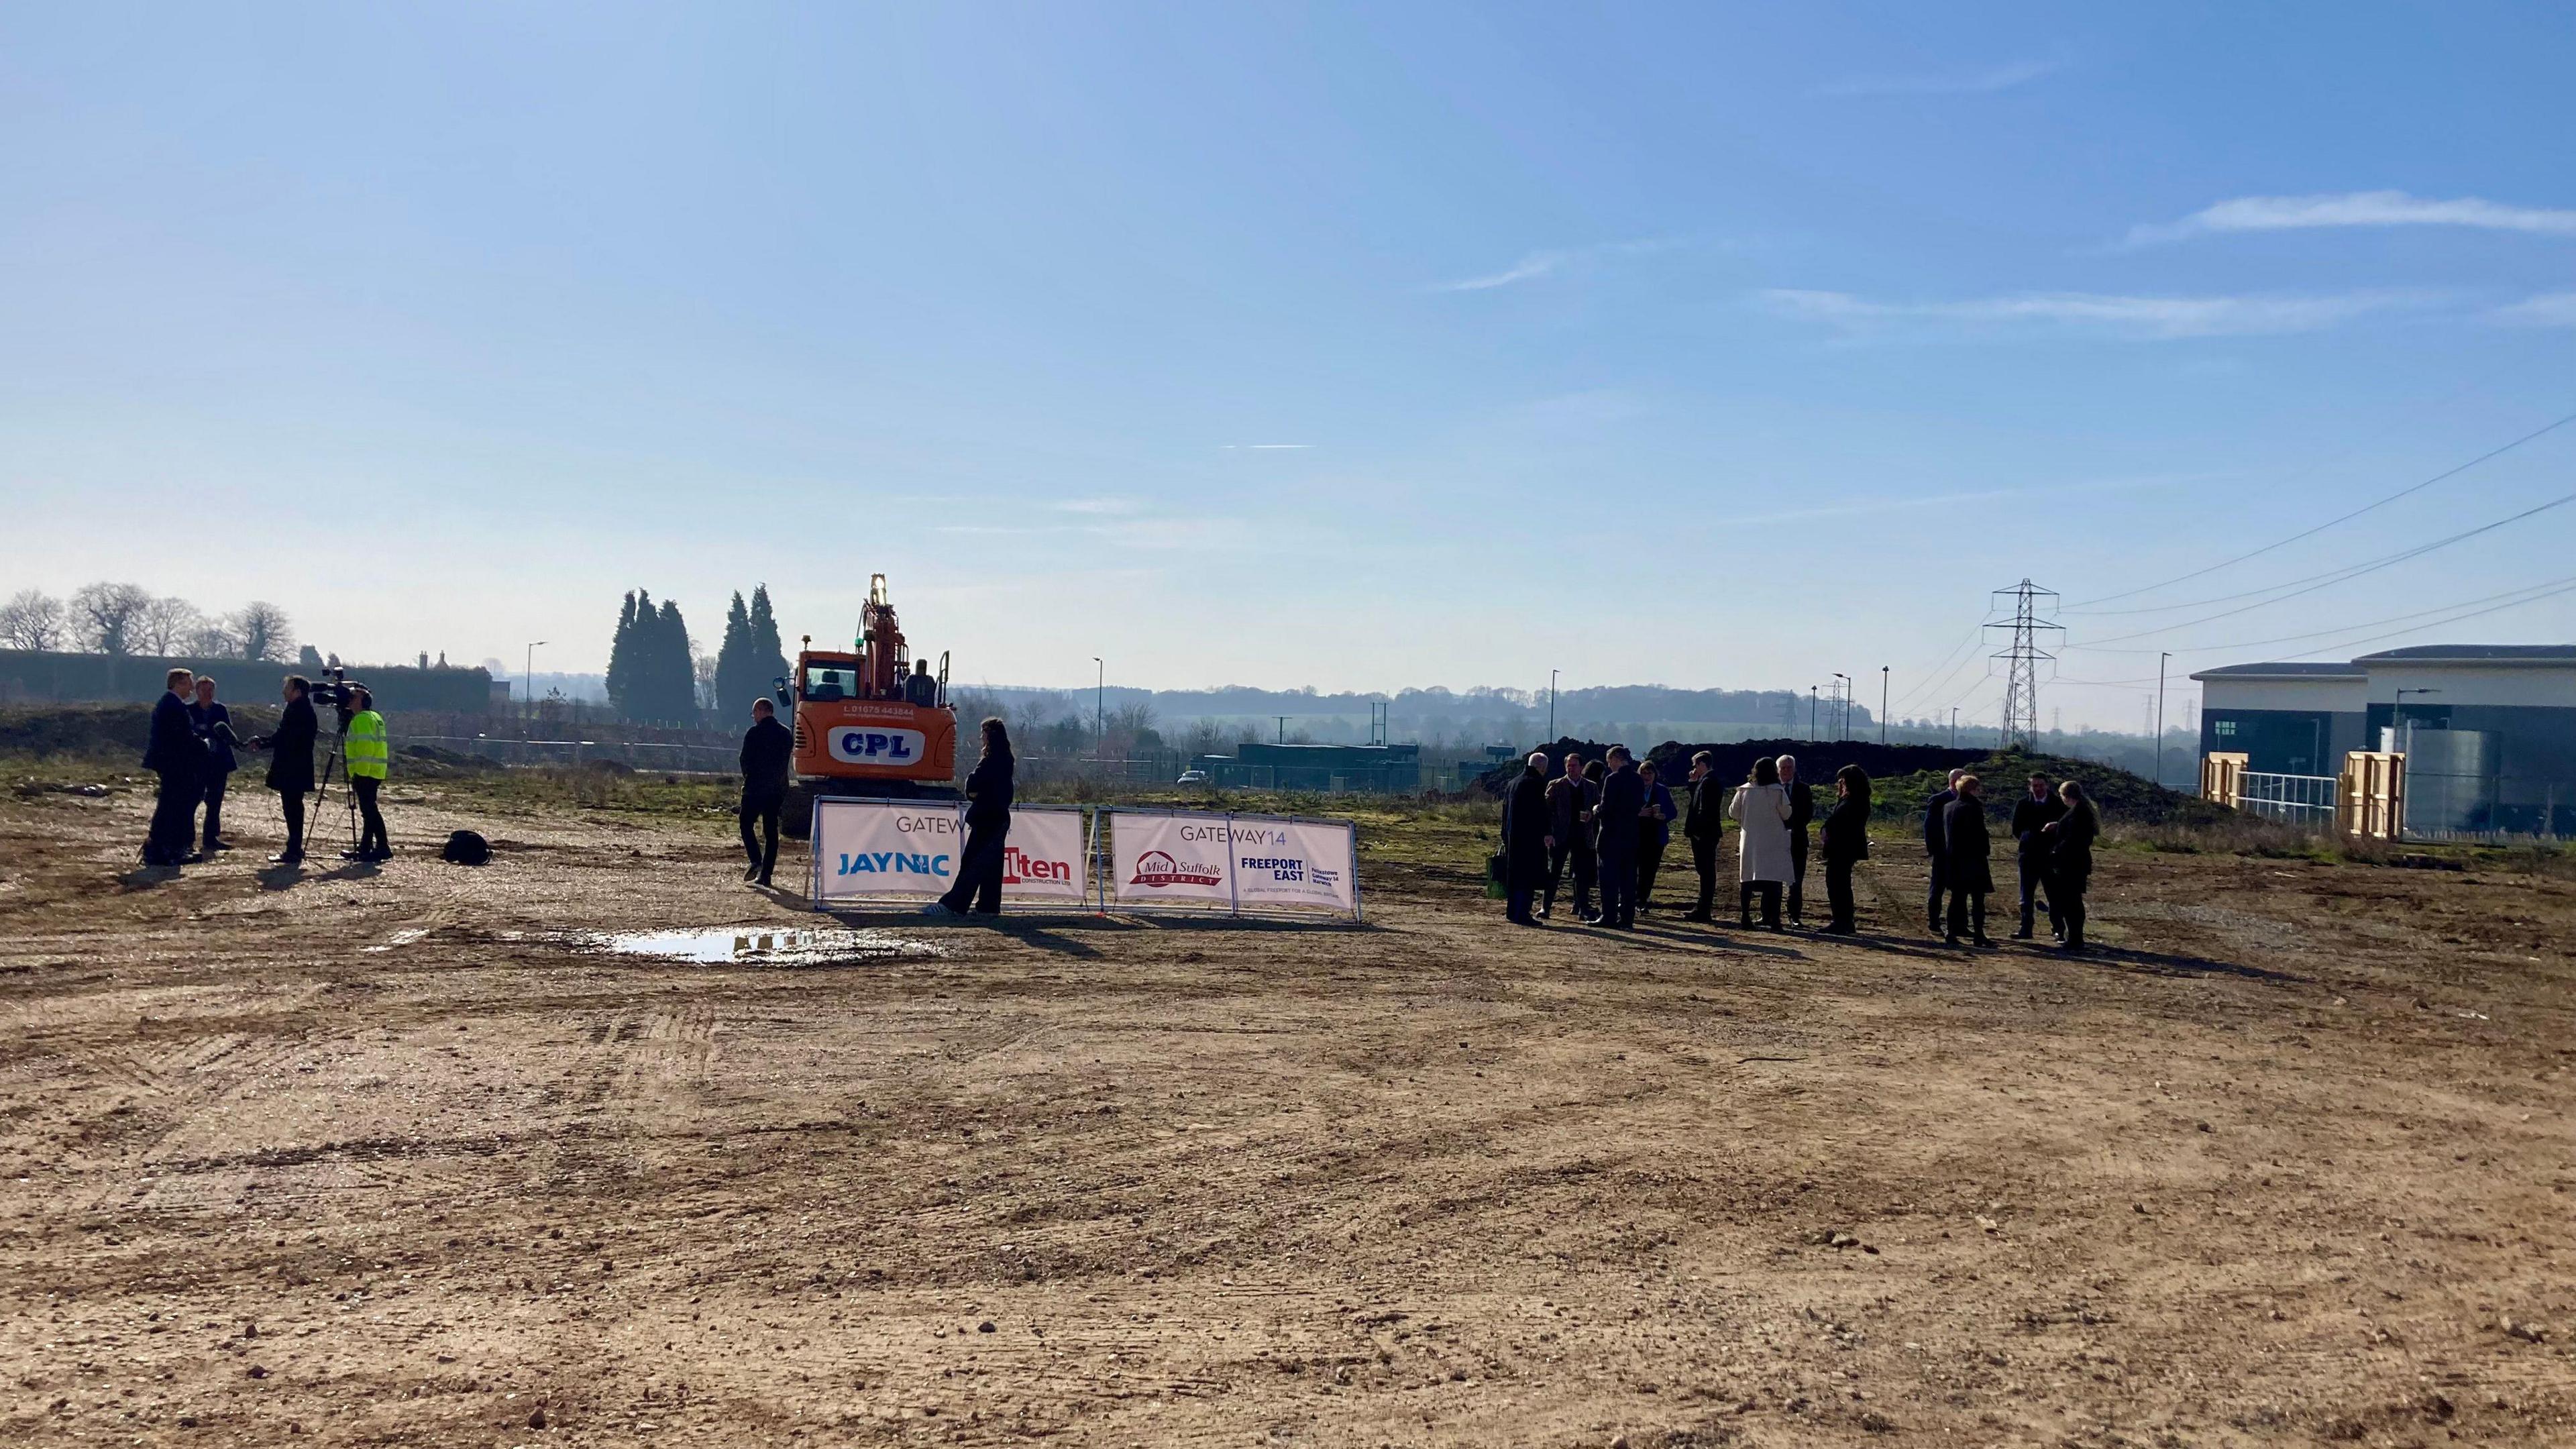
(2306, 801)
(1046, 857)
(1288, 862)
(885, 850)
(1169, 858)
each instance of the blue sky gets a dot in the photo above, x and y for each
(1353, 346)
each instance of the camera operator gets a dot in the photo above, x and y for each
(369, 757)
(291, 773)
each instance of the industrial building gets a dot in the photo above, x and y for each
(2488, 730)
(1366, 769)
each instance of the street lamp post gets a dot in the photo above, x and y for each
(1842, 718)
(1551, 706)
(528, 683)
(1100, 708)
(1882, 704)
(1811, 711)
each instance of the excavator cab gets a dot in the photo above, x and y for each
(858, 731)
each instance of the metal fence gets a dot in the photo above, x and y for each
(2306, 801)
(634, 754)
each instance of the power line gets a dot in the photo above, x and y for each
(2439, 623)
(2356, 571)
(2552, 588)
(2331, 522)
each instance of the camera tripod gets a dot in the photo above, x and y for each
(337, 756)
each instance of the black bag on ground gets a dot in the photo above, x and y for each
(464, 847)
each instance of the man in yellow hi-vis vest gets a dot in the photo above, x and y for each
(369, 754)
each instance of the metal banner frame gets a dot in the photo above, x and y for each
(1105, 825)
(1089, 859)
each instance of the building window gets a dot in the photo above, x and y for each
(2226, 728)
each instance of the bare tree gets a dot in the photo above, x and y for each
(262, 630)
(211, 640)
(104, 615)
(161, 625)
(32, 619)
(703, 666)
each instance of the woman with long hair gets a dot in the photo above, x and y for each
(1967, 869)
(2070, 861)
(988, 826)
(1845, 840)
(1761, 811)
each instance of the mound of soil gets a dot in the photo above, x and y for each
(100, 731)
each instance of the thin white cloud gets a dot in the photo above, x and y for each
(1097, 505)
(1961, 83)
(1266, 447)
(2147, 318)
(2548, 309)
(1863, 506)
(2357, 208)
(1535, 265)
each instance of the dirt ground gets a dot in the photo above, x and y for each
(402, 1157)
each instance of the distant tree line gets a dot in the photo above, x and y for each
(127, 619)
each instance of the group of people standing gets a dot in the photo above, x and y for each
(2053, 828)
(191, 749)
(1606, 823)
(1609, 820)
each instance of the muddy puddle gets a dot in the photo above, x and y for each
(765, 946)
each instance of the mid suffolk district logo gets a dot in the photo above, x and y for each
(1157, 868)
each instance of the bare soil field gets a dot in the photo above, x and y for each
(406, 1156)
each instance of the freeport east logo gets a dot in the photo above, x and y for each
(893, 862)
(1287, 867)
(1156, 868)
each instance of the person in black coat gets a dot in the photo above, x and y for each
(1965, 848)
(2070, 862)
(1935, 812)
(1569, 808)
(1846, 840)
(1615, 822)
(768, 749)
(176, 755)
(214, 726)
(988, 828)
(1802, 810)
(2031, 816)
(1526, 821)
(1703, 822)
(290, 771)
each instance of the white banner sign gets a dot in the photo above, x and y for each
(905, 848)
(1294, 863)
(1044, 856)
(1167, 859)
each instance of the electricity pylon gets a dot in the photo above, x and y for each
(2023, 657)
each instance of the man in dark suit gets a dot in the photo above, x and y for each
(214, 726)
(768, 749)
(1802, 809)
(1525, 836)
(290, 772)
(175, 755)
(2031, 816)
(1702, 822)
(1569, 829)
(1615, 821)
(1938, 849)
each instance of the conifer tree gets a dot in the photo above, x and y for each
(622, 660)
(737, 680)
(768, 656)
(675, 670)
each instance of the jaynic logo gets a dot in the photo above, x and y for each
(893, 862)
(1155, 868)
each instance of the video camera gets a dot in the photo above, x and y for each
(336, 689)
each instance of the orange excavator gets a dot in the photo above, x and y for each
(868, 722)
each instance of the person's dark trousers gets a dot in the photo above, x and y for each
(1797, 877)
(371, 821)
(1650, 859)
(1704, 860)
(1940, 884)
(1557, 855)
(293, 804)
(1769, 891)
(1618, 887)
(1587, 869)
(1517, 906)
(1838, 894)
(979, 871)
(174, 815)
(1968, 914)
(762, 811)
(2034, 883)
(2066, 908)
(213, 790)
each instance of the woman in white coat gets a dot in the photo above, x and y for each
(1761, 812)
